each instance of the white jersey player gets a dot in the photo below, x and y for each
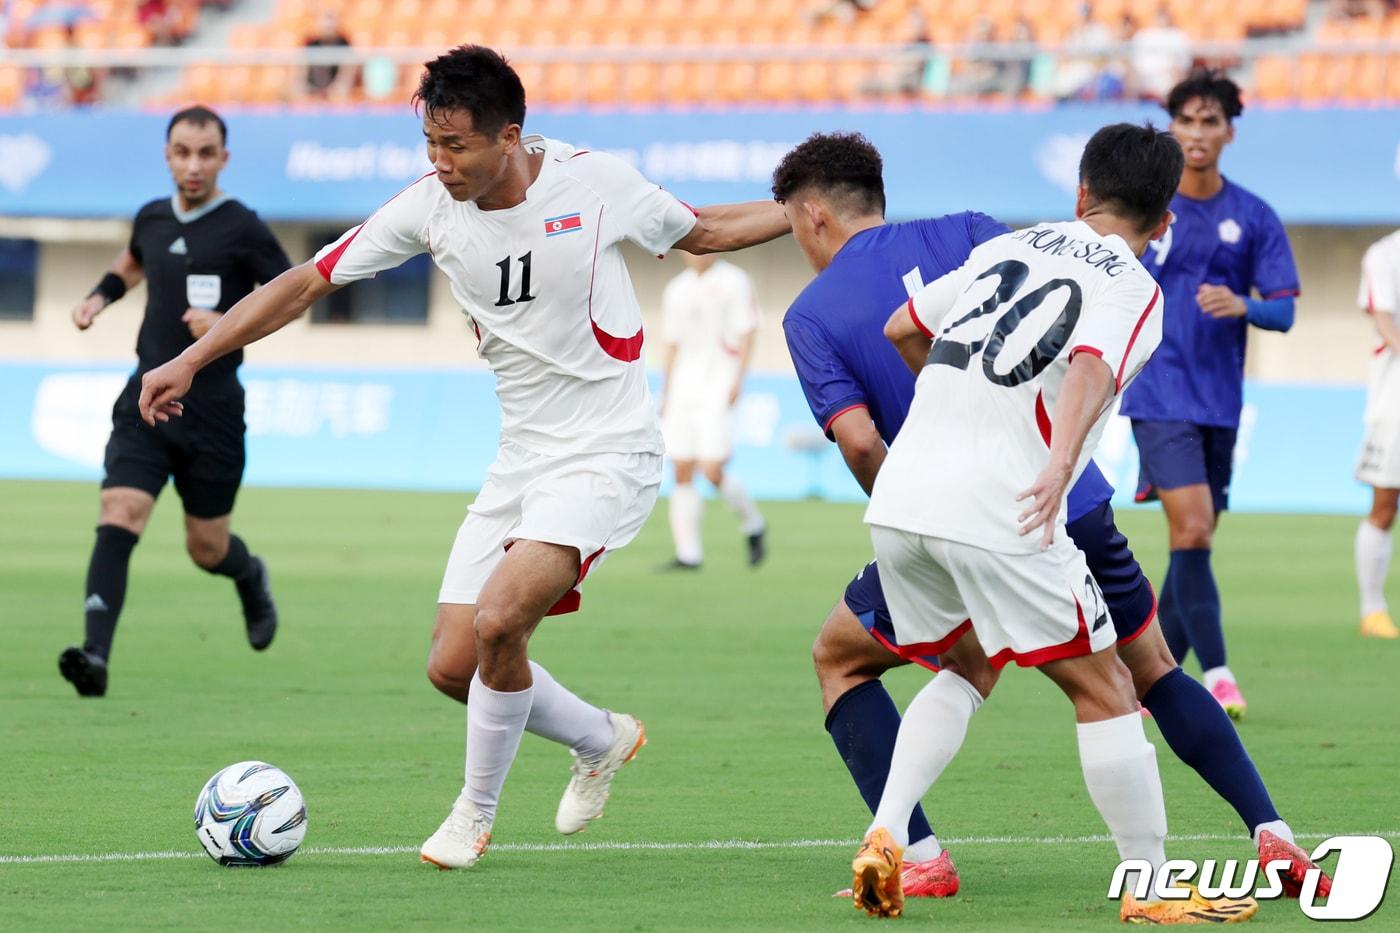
(709, 317)
(1034, 337)
(527, 231)
(1379, 463)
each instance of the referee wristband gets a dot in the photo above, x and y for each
(112, 287)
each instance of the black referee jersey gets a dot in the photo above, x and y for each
(207, 258)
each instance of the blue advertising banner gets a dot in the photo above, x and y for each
(436, 429)
(1315, 166)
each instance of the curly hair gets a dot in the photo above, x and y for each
(477, 80)
(844, 166)
(1133, 170)
(1207, 85)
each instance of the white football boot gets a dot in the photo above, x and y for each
(587, 792)
(461, 839)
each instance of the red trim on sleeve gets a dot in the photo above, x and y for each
(626, 349)
(826, 428)
(326, 264)
(1085, 348)
(690, 207)
(1142, 319)
(1042, 418)
(913, 316)
(1283, 293)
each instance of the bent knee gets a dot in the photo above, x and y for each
(449, 681)
(1383, 517)
(1192, 532)
(983, 677)
(206, 552)
(497, 628)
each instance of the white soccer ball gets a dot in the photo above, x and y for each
(250, 814)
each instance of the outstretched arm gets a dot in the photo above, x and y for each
(722, 228)
(261, 312)
(1088, 386)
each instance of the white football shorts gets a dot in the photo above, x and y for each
(1027, 608)
(1379, 461)
(699, 429)
(595, 502)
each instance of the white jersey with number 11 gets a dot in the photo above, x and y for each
(546, 288)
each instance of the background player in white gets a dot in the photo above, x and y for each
(528, 232)
(1036, 334)
(1379, 463)
(709, 318)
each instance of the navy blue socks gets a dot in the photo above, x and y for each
(863, 723)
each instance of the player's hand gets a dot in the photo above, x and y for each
(161, 390)
(1219, 301)
(1046, 494)
(86, 310)
(199, 321)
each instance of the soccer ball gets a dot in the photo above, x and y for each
(250, 814)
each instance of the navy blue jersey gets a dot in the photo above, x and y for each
(836, 328)
(1197, 374)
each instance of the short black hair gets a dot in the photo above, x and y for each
(1133, 171)
(199, 116)
(842, 166)
(477, 80)
(1207, 85)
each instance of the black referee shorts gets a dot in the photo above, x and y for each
(203, 450)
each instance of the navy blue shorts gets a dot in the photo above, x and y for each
(1172, 454)
(1131, 602)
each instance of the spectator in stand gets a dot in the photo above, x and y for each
(161, 20)
(330, 82)
(1086, 50)
(1161, 56)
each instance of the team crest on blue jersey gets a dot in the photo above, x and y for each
(1229, 231)
(564, 223)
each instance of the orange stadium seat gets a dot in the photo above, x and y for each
(776, 80)
(11, 86)
(563, 83)
(1273, 78)
(1391, 92)
(640, 83)
(736, 81)
(1366, 81)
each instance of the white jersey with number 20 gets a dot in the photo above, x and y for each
(546, 288)
(1007, 324)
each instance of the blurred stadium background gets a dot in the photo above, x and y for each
(976, 104)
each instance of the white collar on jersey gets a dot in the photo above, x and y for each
(189, 217)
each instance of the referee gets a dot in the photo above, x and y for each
(199, 251)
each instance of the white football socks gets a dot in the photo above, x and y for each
(737, 498)
(686, 510)
(1120, 770)
(931, 733)
(1372, 563)
(495, 723)
(1278, 827)
(560, 716)
(1215, 675)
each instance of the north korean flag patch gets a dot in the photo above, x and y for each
(564, 223)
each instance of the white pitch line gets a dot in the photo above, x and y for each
(710, 845)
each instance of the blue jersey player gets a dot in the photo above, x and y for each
(1225, 245)
(859, 390)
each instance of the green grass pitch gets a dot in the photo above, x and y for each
(717, 663)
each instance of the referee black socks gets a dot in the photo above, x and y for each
(106, 586)
(237, 563)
